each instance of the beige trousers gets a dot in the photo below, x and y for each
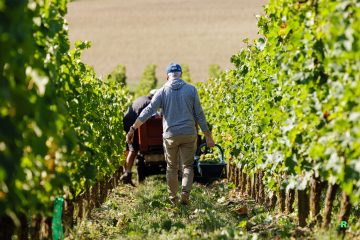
(179, 148)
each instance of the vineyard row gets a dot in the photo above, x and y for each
(288, 114)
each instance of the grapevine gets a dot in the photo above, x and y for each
(290, 109)
(61, 125)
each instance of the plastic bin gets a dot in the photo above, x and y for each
(209, 170)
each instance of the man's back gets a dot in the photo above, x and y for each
(134, 110)
(180, 106)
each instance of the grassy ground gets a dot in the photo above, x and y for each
(216, 212)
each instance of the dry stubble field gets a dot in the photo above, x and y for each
(139, 32)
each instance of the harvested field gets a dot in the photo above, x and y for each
(139, 32)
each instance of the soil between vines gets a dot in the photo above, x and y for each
(217, 211)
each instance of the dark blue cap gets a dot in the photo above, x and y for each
(173, 67)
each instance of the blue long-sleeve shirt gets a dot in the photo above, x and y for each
(180, 106)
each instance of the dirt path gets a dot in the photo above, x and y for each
(144, 212)
(141, 32)
(217, 212)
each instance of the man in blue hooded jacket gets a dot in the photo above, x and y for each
(181, 111)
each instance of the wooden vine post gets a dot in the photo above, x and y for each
(243, 183)
(261, 188)
(290, 198)
(281, 198)
(248, 185)
(345, 207)
(329, 203)
(303, 207)
(253, 186)
(315, 194)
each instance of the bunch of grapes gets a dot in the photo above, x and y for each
(210, 157)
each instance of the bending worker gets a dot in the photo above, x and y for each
(129, 119)
(181, 108)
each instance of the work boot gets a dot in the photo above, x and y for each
(174, 201)
(126, 178)
(184, 200)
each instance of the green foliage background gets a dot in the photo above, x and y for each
(147, 82)
(215, 71)
(118, 75)
(186, 74)
(291, 104)
(60, 125)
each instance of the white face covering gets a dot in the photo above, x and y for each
(174, 75)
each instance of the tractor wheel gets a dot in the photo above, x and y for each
(141, 173)
(141, 169)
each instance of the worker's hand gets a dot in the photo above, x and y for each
(210, 141)
(130, 136)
